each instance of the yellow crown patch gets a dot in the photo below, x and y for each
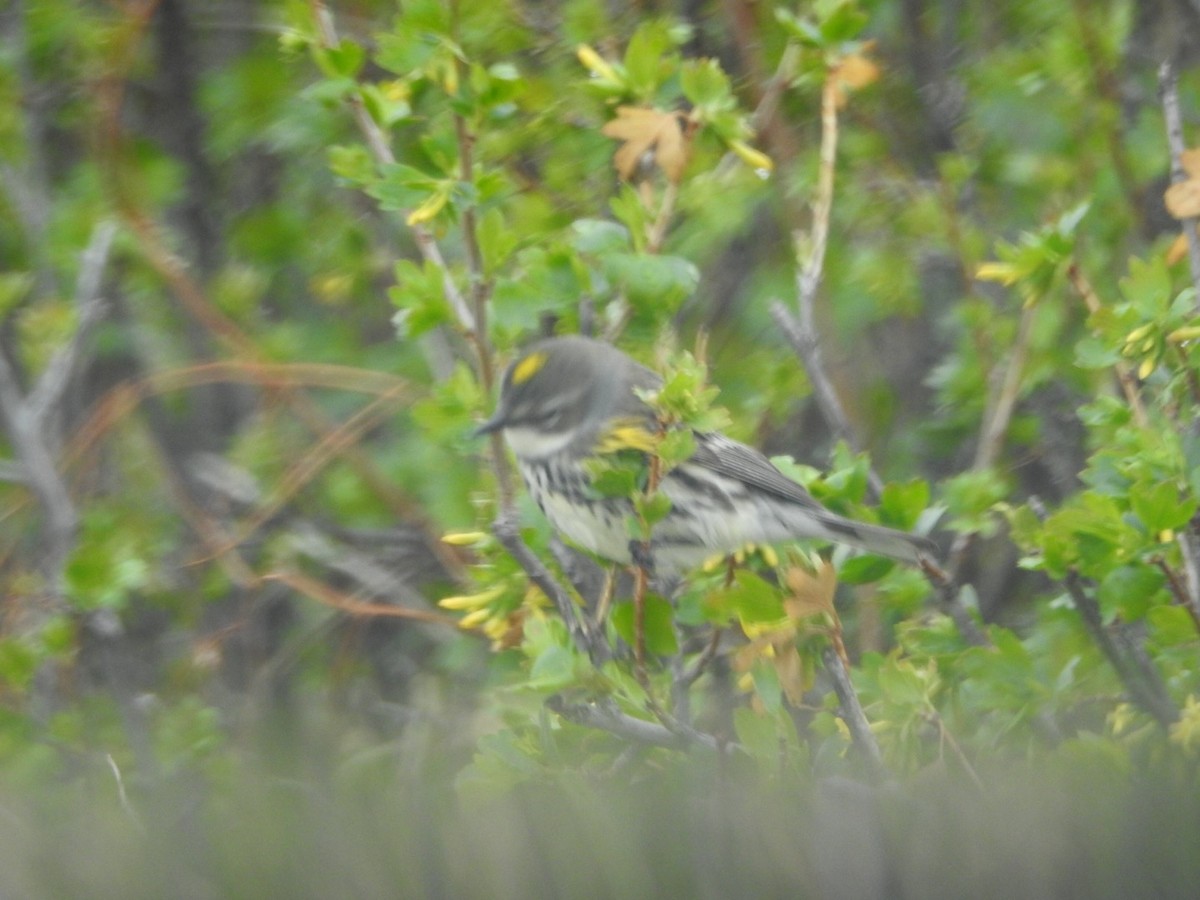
(528, 367)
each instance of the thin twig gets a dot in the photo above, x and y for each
(1003, 402)
(607, 717)
(1190, 551)
(1168, 89)
(666, 209)
(801, 329)
(508, 533)
(381, 150)
(701, 662)
(122, 797)
(1177, 586)
(854, 717)
(45, 399)
(1129, 386)
(37, 460)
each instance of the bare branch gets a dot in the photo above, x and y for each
(1125, 655)
(607, 717)
(27, 439)
(854, 717)
(801, 330)
(508, 533)
(807, 346)
(46, 397)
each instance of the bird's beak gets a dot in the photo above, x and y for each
(495, 423)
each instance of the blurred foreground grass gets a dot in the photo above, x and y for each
(1052, 831)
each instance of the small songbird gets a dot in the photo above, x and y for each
(567, 399)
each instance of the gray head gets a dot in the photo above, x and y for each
(560, 393)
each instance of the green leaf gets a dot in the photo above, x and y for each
(343, 61)
(654, 509)
(1160, 506)
(676, 447)
(659, 627)
(1093, 353)
(660, 282)
(840, 20)
(615, 481)
(1148, 286)
(864, 569)
(353, 164)
(497, 240)
(646, 59)
(706, 86)
(750, 598)
(901, 504)
(553, 669)
(1129, 591)
(598, 236)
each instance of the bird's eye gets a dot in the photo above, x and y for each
(552, 417)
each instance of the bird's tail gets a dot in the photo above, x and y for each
(900, 545)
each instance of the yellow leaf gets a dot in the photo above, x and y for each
(856, 71)
(1190, 161)
(1146, 368)
(1003, 273)
(463, 538)
(1178, 250)
(471, 601)
(595, 63)
(427, 210)
(755, 159)
(1183, 199)
(791, 675)
(643, 129)
(810, 594)
(1186, 333)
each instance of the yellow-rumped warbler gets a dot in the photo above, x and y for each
(567, 399)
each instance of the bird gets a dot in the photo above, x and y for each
(565, 400)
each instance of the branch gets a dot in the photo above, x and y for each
(381, 150)
(32, 449)
(1129, 386)
(607, 717)
(1168, 89)
(801, 331)
(46, 396)
(854, 717)
(508, 533)
(1190, 551)
(1127, 658)
(806, 344)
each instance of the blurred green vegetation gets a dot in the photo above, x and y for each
(260, 266)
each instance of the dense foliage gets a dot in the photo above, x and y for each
(261, 265)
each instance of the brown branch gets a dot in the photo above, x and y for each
(327, 596)
(1177, 586)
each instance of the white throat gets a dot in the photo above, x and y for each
(530, 444)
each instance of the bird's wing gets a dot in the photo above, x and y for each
(726, 456)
